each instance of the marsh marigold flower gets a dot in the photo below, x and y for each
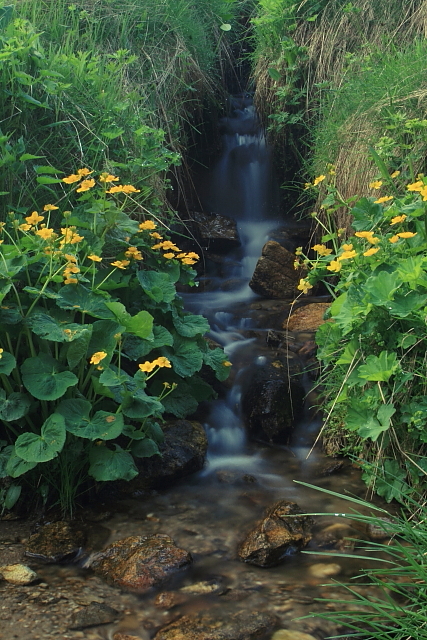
(34, 218)
(71, 179)
(107, 177)
(383, 199)
(24, 227)
(376, 184)
(347, 255)
(318, 180)
(50, 207)
(169, 256)
(134, 253)
(94, 258)
(188, 261)
(304, 286)
(1, 353)
(97, 357)
(406, 234)
(46, 234)
(116, 189)
(334, 265)
(84, 172)
(321, 249)
(398, 219)
(395, 174)
(147, 224)
(347, 247)
(120, 264)
(393, 239)
(128, 188)
(371, 251)
(415, 186)
(85, 185)
(70, 281)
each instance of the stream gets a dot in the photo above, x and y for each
(210, 512)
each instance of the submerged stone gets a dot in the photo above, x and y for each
(283, 531)
(240, 626)
(93, 615)
(18, 574)
(56, 541)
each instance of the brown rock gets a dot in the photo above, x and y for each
(216, 232)
(274, 275)
(125, 636)
(240, 626)
(307, 318)
(141, 562)
(93, 615)
(56, 541)
(169, 599)
(280, 533)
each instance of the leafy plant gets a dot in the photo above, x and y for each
(95, 344)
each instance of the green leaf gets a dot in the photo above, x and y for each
(139, 405)
(102, 426)
(28, 156)
(45, 378)
(379, 369)
(103, 336)
(4, 290)
(385, 412)
(47, 180)
(10, 267)
(145, 448)
(157, 285)
(46, 168)
(348, 355)
(381, 288)
(7, 363)
(392, 485)
(33, 448)
(225, 27)
(50, 328)
(43, 293)
(4, 457)
(189, 325)
(107, 465)
(180, 402)
(366, 214)
(78, 298)
(136, 348)
(274, 74)
(186, 357)
(404, 305)
(78, 349)
(140, 325)
(12, 496)
(111, 378)
(15, 406)
(358, 415)
(6, 15)
(215, 359)
(16, 466)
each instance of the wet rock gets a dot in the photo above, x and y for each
(141, 562)
(205, 587)
(283, 531)
(169, 599)
(18, 574)
(56, 541)
(307, 318)
(322, 570)
(93, 615)
(125, 636)
(183, 452)
(240, 626)
(380, 529)
(332, 467)
(274, 275)
(274, 400)
(290, 634)
(334, 535)
(214, 232)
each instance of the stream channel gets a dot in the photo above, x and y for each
(210, 512)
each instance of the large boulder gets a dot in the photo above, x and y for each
(139, 563)
(283, 531)
(274, 400)
(275, 275)
(240, 626)
(183, 452)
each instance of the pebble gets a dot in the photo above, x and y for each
(322, 570)
(18, 574)
(93, 615)
(290, 634)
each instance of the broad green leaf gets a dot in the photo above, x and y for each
(15, 406)
(139, 405)
(358, 415)
(10, 315)
(111, 378)
(108, 465)
(6, 15)
(131, 432)
(225, 27)
(215, 359)
(7, 363)
(348, 355)
(385, 413)
(411, 269)
(155, 432)
(78, 349)
(157, 286)
(186, 357)
(77, 298)
(43, 293)
(136, 348)
(274, 74)
(50, 328)
(47, 169)
(366, 214)
(33, 448)
(5, 287)
(189, 325)
(73, 411)
(48, 180)
(105, 334)
(102, 426)
(392, 485)
(404, 305)
(180, 402)
(379, 368)
(45, 378)
(380, 288)
(145, 448)
(16, 466)
(337, 304)
(139, 325)
(10, 267)
(12, 496)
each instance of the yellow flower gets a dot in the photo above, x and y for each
(49, 207)
(347, 255)
(70, 281)
(117, 189)
(371, 251)
(147, 367)
(34, 218)
(188, 261)
(84, 172)
(307, 185)
(406, 234)
(85, 185)
(46, 234)
(148, 224)
(227, 363)
(128, 188)
(383, 199)
(71, 179)
(373, 240)
(1, 353)
(24, 227)
(76, 238)
(347, 247)
(415, 186)
(162, 362)
(393, 239)
(304, 286)
(297, 264)
(167, 244)
(318, 180)
(94, 258)
(395, 174)
(134, 253)
(298, 251)
(376, 184)
(321, 249)
(423, 193)
(120, 264)
(364, 234)
(107, 177)
(334, 266)
(71, 268)
(193, 256)
(156, 236)
(169, 256)
(70, 257)
(398, 219)
(97, 357)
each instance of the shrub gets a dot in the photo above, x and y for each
(95, 344)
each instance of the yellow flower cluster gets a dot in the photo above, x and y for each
(161, 362)
(304, 286)
(120, 264)
(403, 234)
(376, 184)
(170, 247)
(420, 187)
(398, 219)
(322, 250)
(69, 236)
(383, 199)
(133, 253)
(104, 178)
(368, 235)
(70, 269)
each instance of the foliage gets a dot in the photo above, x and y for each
(373, 349)
(398, 570)
(95, 344)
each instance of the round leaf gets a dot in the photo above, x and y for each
(7, 363)
(16, 466)
(107, 465)
(33, 448)
(145, 448)
(45, 378)
(15, 406)
(102, 426)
